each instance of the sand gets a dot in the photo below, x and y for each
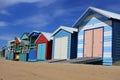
(14, 70)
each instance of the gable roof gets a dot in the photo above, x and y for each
(46, 34)
(34, 32)
(108, 14)
(27, 35)
(17, 40)
(68, 29)
(12, 41)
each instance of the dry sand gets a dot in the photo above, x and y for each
(14, 70)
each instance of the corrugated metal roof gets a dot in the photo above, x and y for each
(18, 39)
(69, 29)
(11, 40)
(47, 35)
(34, 32)
(26, 33)
(105, 13)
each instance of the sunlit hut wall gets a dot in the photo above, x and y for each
(7, 51)
(17, 48)
(32, 47)
(99, 35)
(23, 56)
(44, 46)
(12, 49)
(3, 51)
(64, 43)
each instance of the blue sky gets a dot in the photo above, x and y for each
(19, 16)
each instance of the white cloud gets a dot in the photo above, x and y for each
(42, 3)
(3, 24)
(4, 12)
(42, 20)
(7, 3)
(36, 21)
(65, 11)
(7, 37)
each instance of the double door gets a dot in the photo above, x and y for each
(93, 42)
(61, 48)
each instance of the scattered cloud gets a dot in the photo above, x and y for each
(44, 3)
(36, 21)
(4, 12)
(41, 3)
(7, 3)
(66, 11)
(9, 37)
(3, 24)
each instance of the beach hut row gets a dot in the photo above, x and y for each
(95, 36)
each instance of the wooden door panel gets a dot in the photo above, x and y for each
(57, 48)
(88, 43)
(64, 43)
(97, 42)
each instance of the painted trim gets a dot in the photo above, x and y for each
(93, 21)
(94, 16)
(69, 50)
(68, 29)
(107, 38)
(108, 33)
(80, 45)
(97, 25)
(107, 44)
(80, 37)
(80, 41)
(93, 37)
(107, 54)
(108, 49)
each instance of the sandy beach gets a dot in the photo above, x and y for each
(14, 70)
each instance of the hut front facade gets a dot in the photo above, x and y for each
(12, 49)
(64, 43)
(32, 47)
(24, 47)
(44, 46)
(17, 48)
(99, 35)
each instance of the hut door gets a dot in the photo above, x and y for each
(97, 42)
(61, 48)
(88, 43)
(93, 43)
(41, 51)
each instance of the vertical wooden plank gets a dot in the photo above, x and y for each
(88, 43)
(61, 47)
(43, 50)
(64, 47)
(57, 49)
(39, 51)
(97, 42)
